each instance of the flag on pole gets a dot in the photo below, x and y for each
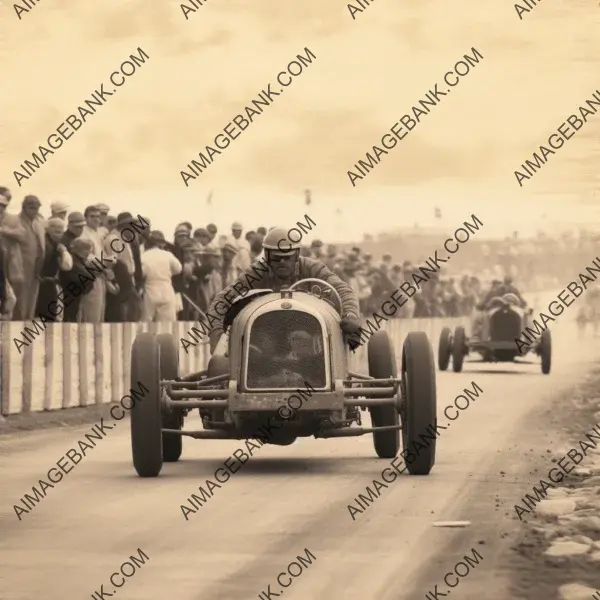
(209, 198)
(307, 197)
(438, 213)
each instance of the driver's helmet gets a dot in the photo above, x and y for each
(278, 241)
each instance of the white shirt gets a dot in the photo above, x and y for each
(243, 258)
(158, 266)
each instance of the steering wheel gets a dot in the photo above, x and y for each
(316, 290)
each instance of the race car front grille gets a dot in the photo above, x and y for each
(286, 351)
(505, 325)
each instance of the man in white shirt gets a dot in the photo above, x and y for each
(158, 267)
(243, 258)
(93, 304)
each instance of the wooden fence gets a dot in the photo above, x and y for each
(69, 364)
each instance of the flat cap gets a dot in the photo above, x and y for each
(237, 225)
(76, 218)
(31, 201)
(58, 207)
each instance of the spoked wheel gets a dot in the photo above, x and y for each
(173, 419)
(458, 349)
(146, 422)
(444, 349)
(382, 365)
(419, 410)
(546, 351)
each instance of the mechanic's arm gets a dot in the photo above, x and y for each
(349, 300)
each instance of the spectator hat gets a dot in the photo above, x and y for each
(201, 231)
(237, 226)
(316, 244)
(181, 229)
(76, 218)
(211, 228)
(229, 246)
(31, 201)
(124, 218)
(58, 207)
(55, 222)
(81, 247)
(103, 208)
(158, 237)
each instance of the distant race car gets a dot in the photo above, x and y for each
(503, 322)
(275, 344)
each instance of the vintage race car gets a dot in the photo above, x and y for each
(275, 345)
(504, 321)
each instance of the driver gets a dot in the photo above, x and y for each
(286, 267)
(509, 288)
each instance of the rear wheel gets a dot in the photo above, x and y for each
(458, 349)
(444, 349)
(382, 364)
(546, 351)
(146, 422)
(173, 419)
(419, 409)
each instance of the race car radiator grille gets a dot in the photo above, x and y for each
(286, 351)
(505, 326)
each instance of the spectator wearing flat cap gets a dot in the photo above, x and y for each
(94, 303)
(25, 238)
(159, 266)
(202, 237)
(212, 230)
(229, 270)
(76, 283)
(206, 273)
(4, 191)
(103, 209)
(75, 225)
(125, 305)
(243, 258)
(181, 240)
(316, 250)
(56, 258)
(59, 210)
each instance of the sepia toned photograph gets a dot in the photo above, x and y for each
(257, 259)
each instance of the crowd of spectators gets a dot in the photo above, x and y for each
(45, 266)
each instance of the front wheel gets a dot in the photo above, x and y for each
(458, 349)
(146, 421)
(546, 351)
(419, 409)
(444, 349)
(382, 365)
(169, 370)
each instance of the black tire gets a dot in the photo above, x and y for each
(546, 351)
(146, 421)
(444, 349)
(458, 349)
(382, 364)
(169, 369)
(419, 409)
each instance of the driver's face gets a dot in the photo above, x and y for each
(283, 263)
